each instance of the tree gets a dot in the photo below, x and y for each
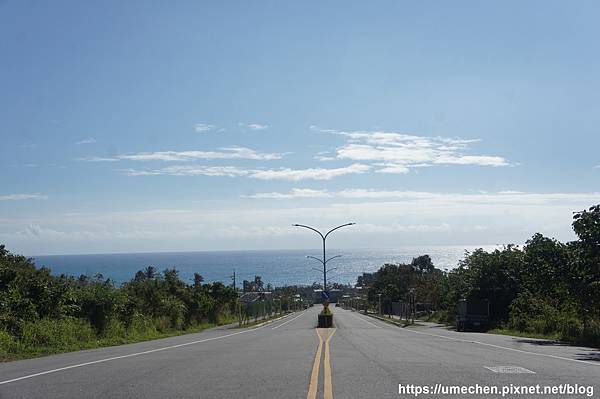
(546, 270)
(198, 279)
(494, 276)
(258, 283)
(586, 258)
(100, 301)
(423, 264)
(150, 272)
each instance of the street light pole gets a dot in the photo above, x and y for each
(324, 238)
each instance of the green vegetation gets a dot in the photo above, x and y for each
(41, 313)
(258, 303)
(265, 319)
(326, 312)
(516, 333)
(545, 289)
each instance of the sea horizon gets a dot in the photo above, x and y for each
(275, 266)
(386, 248)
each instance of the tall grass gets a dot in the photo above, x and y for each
(49, 336)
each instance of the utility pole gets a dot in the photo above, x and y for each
(233, 278)
(412, 300)
(379, 295)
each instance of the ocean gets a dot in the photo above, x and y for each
(278, 267)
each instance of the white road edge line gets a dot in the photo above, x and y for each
(365, 320)
(125, 356)
(285, 322)
(500, 347)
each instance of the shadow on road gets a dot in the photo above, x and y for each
(543, 342)
(587, 356)
(594, 356)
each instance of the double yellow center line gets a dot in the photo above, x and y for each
(325, 335)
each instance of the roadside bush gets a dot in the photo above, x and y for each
(162, 323)
(114, 330)
(535, 315)
(100, 302)
(174, 310)
(225, 317)
(141, 326)
(16, 309)
(591, 332)
(7, 344)
(530, 314)
(570, 328)
(442, 316)
(60, 334)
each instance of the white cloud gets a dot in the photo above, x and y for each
(225, 153)
(385, 219)
(393, 168)
(255, 126)
(179, 156)
(481, 160)
(203, 127)
(401, 152)
(21, 197)
(511, 192)
(311, 173)
(189, 170)
(324, 156)
(37, 231)
(378, 194)
(501, 197)
(96, 159)
(87, 140)
(262, 174)
(398, 227)
(237, 232)
(294, 193)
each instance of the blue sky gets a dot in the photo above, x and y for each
(215, 125)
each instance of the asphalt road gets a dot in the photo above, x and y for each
(361, 358)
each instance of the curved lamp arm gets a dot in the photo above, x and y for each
(315, 258)
(338, 227)
(310, 228)
(333, 257)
